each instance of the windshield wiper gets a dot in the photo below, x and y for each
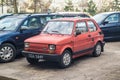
(2, 28)
(56, 32)
(46, 32)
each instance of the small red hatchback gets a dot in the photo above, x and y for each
(65, 39)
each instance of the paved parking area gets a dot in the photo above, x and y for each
(105, 67)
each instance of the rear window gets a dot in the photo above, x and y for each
(45, 19)
(91, 26)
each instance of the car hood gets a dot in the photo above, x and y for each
(5, 33)
(50, 39)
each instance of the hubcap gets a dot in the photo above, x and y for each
(66, 59)
(6, 53)
(98, 49)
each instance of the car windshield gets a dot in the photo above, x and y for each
(99, 17)
(59, 27)
(9, 23)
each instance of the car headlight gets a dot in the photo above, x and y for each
(52, 47)
(26, 45)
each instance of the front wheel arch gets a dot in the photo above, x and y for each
(66, 48)
(8, 42)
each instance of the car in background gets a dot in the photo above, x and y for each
(73, 14)
(63, 40)
(109, 23)
(15, 29)
(5, 15)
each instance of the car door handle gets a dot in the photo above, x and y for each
(89, 35)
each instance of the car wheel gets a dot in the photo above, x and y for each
(32, 61)
(66, 59)
(97, 50)
(7, 53)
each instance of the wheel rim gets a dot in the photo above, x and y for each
(98, 49)
(6, 53)
(66, 59)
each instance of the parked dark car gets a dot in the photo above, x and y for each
(5, 15)
(109, 22)
(15, 29)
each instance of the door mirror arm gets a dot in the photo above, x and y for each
(105, 22)
(77, 32)
(23, 28)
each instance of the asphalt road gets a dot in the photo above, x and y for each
(105, 67)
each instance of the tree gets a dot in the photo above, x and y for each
(69, 6)
(92, 9)
(1, 3)
(15, 6)
(116, 5)
(38, 5)
(82, 4)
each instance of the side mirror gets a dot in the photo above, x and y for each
(78, 32)
(105, 22)
(23, 28)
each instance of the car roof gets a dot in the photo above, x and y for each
(6, 14)
(19, 16)
(71, 13)
(110, 12)
(70, 19)
(82, 14)
(22, 15)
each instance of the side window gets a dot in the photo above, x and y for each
(81, 27)
(112, 18)
(91, 26)
(31, 23)
(45, 19)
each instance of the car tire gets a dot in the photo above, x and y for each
(97, 50)
(66, 59)
(7, 53)
(32, 61)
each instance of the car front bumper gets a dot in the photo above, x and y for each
(43, 56)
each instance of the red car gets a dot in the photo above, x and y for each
(65, 39)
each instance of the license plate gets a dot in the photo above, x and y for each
(35, 56)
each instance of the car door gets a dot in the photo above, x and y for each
(110, 26)
(94, 34)
(118, 26)
(30, 27)
(82, 40)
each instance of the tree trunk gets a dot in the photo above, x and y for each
(15, 6)
(35, 2)
(2, 6)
